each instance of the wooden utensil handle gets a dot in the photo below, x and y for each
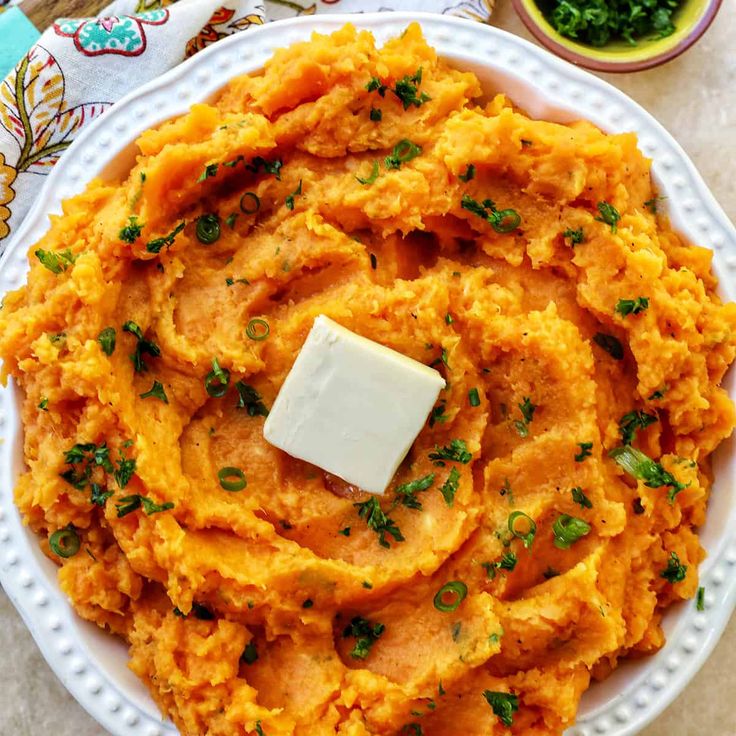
(43, 13)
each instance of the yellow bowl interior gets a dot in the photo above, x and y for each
(620, 51)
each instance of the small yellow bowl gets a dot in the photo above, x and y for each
(691, 21)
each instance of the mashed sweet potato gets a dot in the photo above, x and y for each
(520, 257)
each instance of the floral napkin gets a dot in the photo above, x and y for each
(80, 66)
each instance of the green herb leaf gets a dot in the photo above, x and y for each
(269, 167)
(574, 236)
(345, 532)
(469, 173)
(107, 338)
(700, 600)
(502, 221)
(209, 171)
(406, 90)
(675, 572)
(450, 486)
(376, 115)
(473, 397)
(250, 400)
(610, 344)
(43, 405)
(580, 498)
(155, 245)
(55, 261)
(98, 495)
(125, 471)
(585, 451)
(250, 653)
(132, 231)
(624, 307)
(128, 504)
(504, 705)
(366, 634)
(438, 415)
(403, 152)
(631, 422)
(568, 530)
(609, 215)
(289, 201)
(156, 392)
(143, 346)
(378, 521)
(376, 85)
(456, 451)
(406, 493)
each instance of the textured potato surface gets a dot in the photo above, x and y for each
(523, 259)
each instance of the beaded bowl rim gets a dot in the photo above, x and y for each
(547, 87)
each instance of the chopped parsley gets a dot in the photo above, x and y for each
(596, 23)
(289, 201)
(610, 344)
(230, 219)
(580, 498)
(250, 653)
(608, 215)
(156, 392)
(631, 422)
(55, 261)
(345, 532)
(269, 167)
(250, 400)
(406, 90)
(652, 204)
(504, 705)
(450, 486)
(574, 236)
(98, 495)
(125, 471)
(366, 634)
(132, 231)
(376, 115)
(376, 85)
(372, 178)
(378, 521)
(456, 451)
(128, 504)
(107, 338)
(658, 394)
(527, 412)
(155, 245)
(143, 346)
(469, 174)
(643, 468)
(403, 152)
(406, 493)
(550, 573)
(43, 405)
(624, 307)
(507, 562)
(585, 451)
(438, 415)
(502, 221)
(84, 458)
(675, 572)
(209, 171)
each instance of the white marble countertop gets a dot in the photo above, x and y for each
(695, 98)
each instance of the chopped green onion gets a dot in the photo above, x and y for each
(568, 529)
(527, 537)
(232, 479)
(585, 451)
(217, 380)
(156, 392)
(455, 588)
(289, 201)
(700, 600)
(250, 203)
(376, 115)
(209, 170)
(56, 262)
(250, 653)
(64, 542)
(474, 397)
(257, 329)
(155, 245)
(450, 486)
(581, 499)
(370, 179)
(208, 228)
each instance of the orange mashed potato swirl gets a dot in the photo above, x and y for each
(275, 609)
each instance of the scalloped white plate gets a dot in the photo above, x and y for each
(93, 665)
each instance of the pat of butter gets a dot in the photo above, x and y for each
(351, 406)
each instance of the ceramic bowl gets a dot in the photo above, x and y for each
(93, 664)
(691, 21)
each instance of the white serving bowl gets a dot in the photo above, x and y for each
(92, 664)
